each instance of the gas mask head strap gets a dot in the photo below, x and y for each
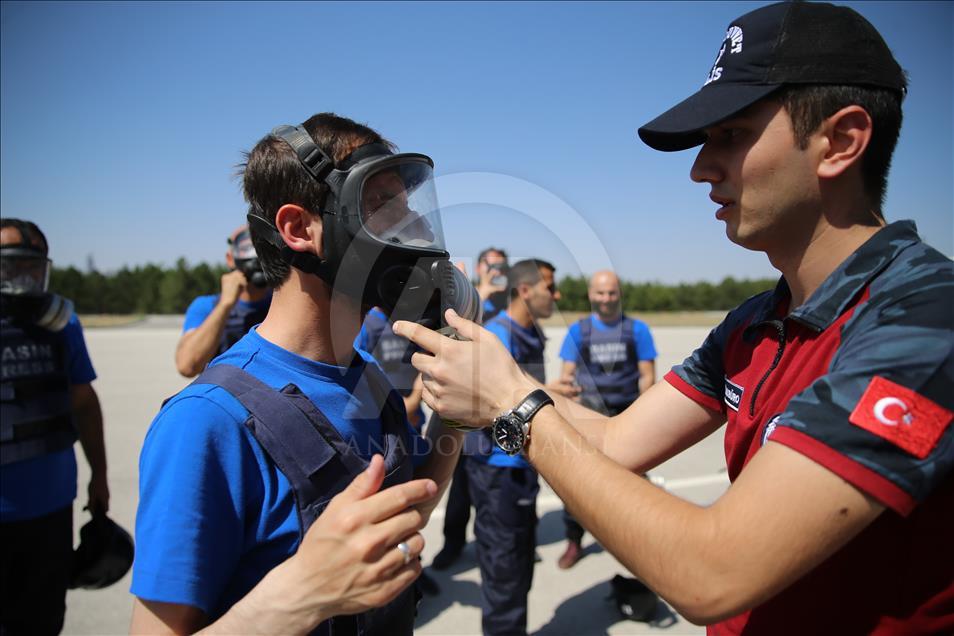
(26, 246)
(317, 163)
(320, 167)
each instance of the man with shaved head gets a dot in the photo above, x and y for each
(612, 358)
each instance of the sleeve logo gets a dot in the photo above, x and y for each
(733, 394)
(905, 418)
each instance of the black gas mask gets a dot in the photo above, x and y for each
(381, 233)
(24, 278)
(246, 260)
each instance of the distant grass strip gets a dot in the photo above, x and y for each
(98, 321)
(651, 318)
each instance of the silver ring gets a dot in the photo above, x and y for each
(406, 551)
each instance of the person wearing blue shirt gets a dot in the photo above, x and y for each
(504, 487)
(492, 284)
(48, 401)
(622, 365)
(215, 322)
(234, 528)
(612, 358)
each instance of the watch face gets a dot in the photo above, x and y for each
(508, 433)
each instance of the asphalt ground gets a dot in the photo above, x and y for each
(135, 372)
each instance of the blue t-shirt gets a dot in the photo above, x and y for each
(36, 487)
(514, 337)
(200, 308)
(242, 317)
(215, 514)
(645, 348)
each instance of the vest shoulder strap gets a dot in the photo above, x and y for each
(586, 337)
(282, 427)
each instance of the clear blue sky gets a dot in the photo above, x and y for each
(122, 123)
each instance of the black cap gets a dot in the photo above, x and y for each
(784, 43)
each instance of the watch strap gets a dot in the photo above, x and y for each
(529, 406)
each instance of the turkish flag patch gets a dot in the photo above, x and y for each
(901, 416)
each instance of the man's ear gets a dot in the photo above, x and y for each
(229, 260)
(300, 229)
(847, 134)
(523, 291)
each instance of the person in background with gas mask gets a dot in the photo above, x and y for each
(234, 529)
(215, 322)
(48, 402)
(492, 269)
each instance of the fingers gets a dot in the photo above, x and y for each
(395, 499)
(393, 558)
(392, 531)
(429, 399)
(398, 582)
(469, 330)
(423, 362)
(422, 336)
(365, 484)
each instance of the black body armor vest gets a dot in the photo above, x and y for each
(609, 373)
(36, 416)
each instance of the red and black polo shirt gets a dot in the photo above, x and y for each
(860, 378)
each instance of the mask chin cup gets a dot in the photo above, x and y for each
(56, 315)
(423, 294)
(407, 293)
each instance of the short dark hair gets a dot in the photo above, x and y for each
(526, 272)
(484, 253)
(272, 176)
(809, 105)
(29, 232)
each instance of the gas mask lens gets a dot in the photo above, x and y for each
(246, 259)
(242, 248)
(399, 205)
(23, 272)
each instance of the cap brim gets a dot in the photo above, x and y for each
(683, 125)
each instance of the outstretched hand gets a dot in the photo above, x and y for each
(470, 381)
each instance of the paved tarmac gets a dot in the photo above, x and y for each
(136, 372)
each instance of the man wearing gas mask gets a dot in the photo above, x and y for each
(492, 269)
(234, 526)
(215, 322)
(48, 402)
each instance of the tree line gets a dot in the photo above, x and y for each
(148, 289)
(652, 296)
(152, 289)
